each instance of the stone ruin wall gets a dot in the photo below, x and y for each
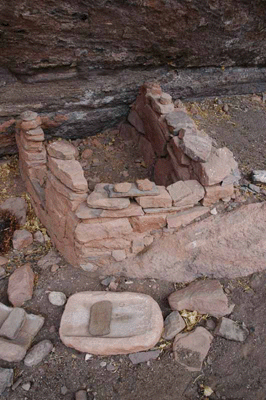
(118, 221)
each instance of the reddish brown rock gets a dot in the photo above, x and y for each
(177, 120)
(136, 121)
(21, 239)
(30, 145)
(186, 217)
(103, 230)
(70, 173)
(186, 193)
(28, 115)
(162, 172)
(205, 297)
(146, 149)
(16, 206)
(191, 348)
(62, 150)
(196, 145)
(20, 285)
(86, 154)
(219, 165)
(163, 199)
(148, 222)
(3, 261)
(178, 152)
(36, 135)
(217, 192)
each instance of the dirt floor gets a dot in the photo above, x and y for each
(233, 370)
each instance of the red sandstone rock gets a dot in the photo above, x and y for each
(110, 244)
(136, 121)
(86, 154)
(191, 348)
(148, 222)
(21, 239)
(139, 327)
(103, 230)
(160, 107)
(146, 149)
(219, 165)
(144, 184)
(85, 212)
(62, 150)
(70, 173)
(217, 192)
(16, 206)
(162, 172)
(205, 297)
(196, 145)
(185, 217)
(165, 98)
(186, 193)
(3, 261)
(33, 124)
(162, 200)
(36, 135)
(177, 120)
(20, 285)
(178, 152)
(99, 199)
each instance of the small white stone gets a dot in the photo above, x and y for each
(88, 357)
(103, 364)
(214, 211)
(26, 386)
(57, 298)
(88, 267)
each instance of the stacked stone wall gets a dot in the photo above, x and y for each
(119, 221)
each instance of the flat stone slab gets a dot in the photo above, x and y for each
(191, 348)
(186, 193)
(99, 199)
(13, 323)
(136, 323)
(6, 378)
(15, 350)
(163, 199)
(86, 212)
(186, 217)
(206, 297)
(231, 330)
(100, 318)
(173, 324)
(62, 150)
(133, 192)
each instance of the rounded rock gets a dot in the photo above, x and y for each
(57, 298)
(28, 115)
(38, 353)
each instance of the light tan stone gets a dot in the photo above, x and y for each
(186, 193)
(84, 212)
(123, 187)
(144, 184)
(62, 150)
(99, 199)
(70, 173)
(219, 165)
(103, 230)
(119, 255)
(28, 115)
(36, 135)
(136, 323)
(184, 218)
(217, 192)
(133, 192)
(163, 199)
(33, 124)
(148, 222)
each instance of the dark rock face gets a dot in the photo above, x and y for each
(86, 59)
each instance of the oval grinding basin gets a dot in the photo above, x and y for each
(130, 322)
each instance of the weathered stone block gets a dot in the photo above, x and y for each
(62, 150)
(110, 229)
(99, 199)
(20, 285)
(148, 222)
(186, 217)
(186, 193)
(217, 192)
(163, 199)
(70, 173)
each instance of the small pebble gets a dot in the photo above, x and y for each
(17, 383)
(110, 367)
(113, 286)
(214, 211)
(103, 364)
(108, 280)
(26, 386)
(2, 272)
(225, 108)
(64, 390)
(54, 268)
(57, 298)
(88, 357)
(81, 395)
